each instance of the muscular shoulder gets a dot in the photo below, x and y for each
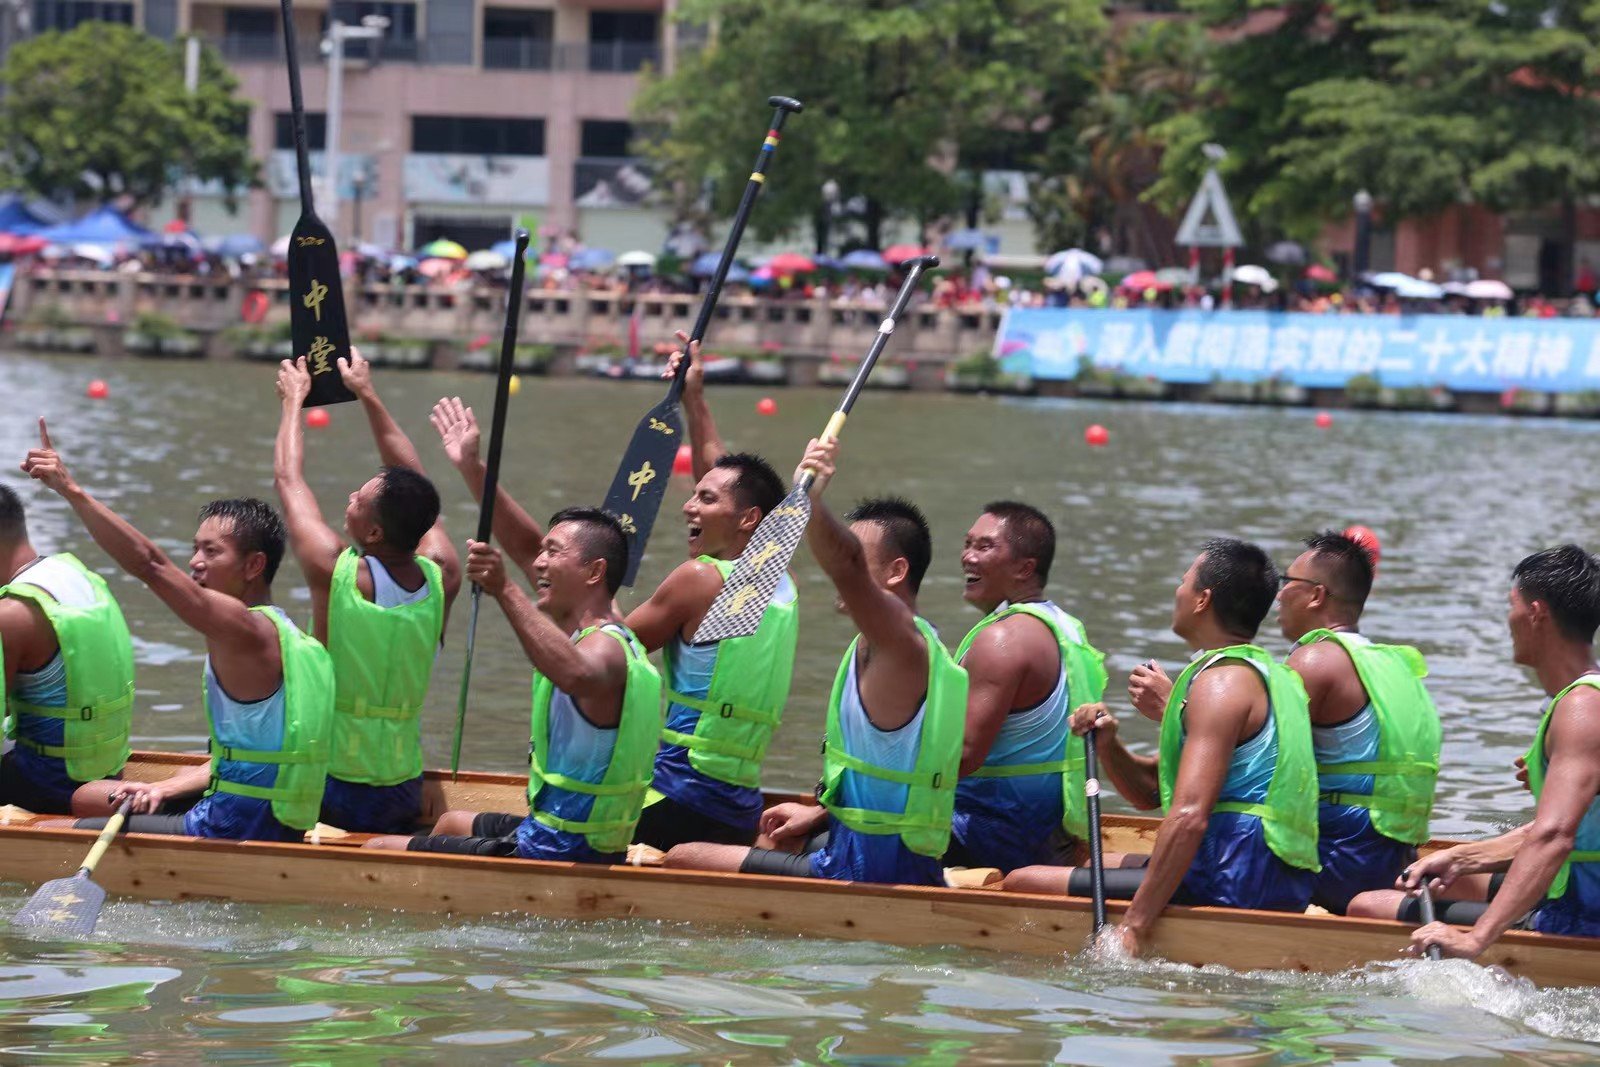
(1323, 661)
(605, 651)
(1227, 687)
(692, 580)
(1015, 639)
(1576, 721)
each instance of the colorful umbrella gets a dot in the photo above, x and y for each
(591, 259)
(1319, 273)
(864, 259)
(1143, 279)
(487, 259)
(901, 253)
(443, 248)
(436, 267)
(636, 259)
(789, 263)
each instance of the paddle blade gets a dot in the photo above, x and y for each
(65, 907)
(641, 479)
(316, 310)
(749, 588)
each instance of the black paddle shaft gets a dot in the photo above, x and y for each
(908, 289)
(297, 109)
(782, 107)
(502, 389)
(1097, 863)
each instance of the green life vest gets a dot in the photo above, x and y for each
(924, 825)
(1086, 684)
(1537, 763)
(1407, 767)
(382, 663)
(1289, 813)
(744, 703)
(98, 655)
(302, 760)
(619, 795)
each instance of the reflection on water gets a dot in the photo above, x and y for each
(1456, 501)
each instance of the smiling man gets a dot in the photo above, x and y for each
(379, 605)
(268, 686)
(596, 704)
(1029, 664)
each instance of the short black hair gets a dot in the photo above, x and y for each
(1567, 579)
(1028, 531)
(408, 506)
(906, 529)
(1350, 563)
(602, 539)
(254, 525)
(757, 485)
(1242, 580)
(13, 523)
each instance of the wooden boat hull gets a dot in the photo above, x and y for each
(178, 868)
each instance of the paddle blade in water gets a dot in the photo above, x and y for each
(316, 310)
(641, 479)
(737, 610)
(66, 907)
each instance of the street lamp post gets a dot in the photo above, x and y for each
(825, 215)
(1361, 255)
(371, 28)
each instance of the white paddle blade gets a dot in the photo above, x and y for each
(65, 907)
(750, 586)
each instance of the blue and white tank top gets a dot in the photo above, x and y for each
(47, 686)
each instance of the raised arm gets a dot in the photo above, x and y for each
(219, 617)
(677, 605)
(589, 671)
(705, 443)
(513, 527)
(396, 450)
(315, 544)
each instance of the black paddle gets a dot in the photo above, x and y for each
(641, 479)
(1425, 906)
(491, 472)
(71, 906)
(317, 324)
(737, 609)
(1097, 863)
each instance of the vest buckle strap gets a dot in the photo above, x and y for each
(938, 779)
(727, 710)
(86, 714)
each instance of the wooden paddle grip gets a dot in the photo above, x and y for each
(102, 843)
(835, 425)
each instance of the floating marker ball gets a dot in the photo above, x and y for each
(317, 418)
(683, 462)
(98, 390)
(1367, 540)
(514, 385)
(1097, 436)
(1324, 420)
(766, 406)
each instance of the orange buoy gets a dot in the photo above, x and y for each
(766, 406)
(1324, 420)
(318, 418)
(683, 462)
(1368, 540)
(1097, 436)
(255, 306)
(98, 390)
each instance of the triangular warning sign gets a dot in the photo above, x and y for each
(1221, 231)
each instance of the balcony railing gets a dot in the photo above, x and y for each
(619, 57)
(518, 53)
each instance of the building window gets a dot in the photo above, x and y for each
(517, 38)
(464, 135)
(63, 15)
(623, 40)
(251, 33)
(399, 40)
(605, 139)
(316, 131)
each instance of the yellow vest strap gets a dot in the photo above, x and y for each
(105, 707)
(61, 751)
(1403, 768)
(872, 770)
(1019, 770)
(260, 792)
(868, 821)
(581, 826)
(592, 789)
(718, 745)
(1262, 811)
(252, 755)
(725, 710)
(1375, 803)
(360, 709)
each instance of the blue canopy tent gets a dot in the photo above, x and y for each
(103, 226)
(19, 217)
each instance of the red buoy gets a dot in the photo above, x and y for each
(1368, 540)
(1097, 436)
(1324, 420)
(683, 462)
(766, 406)
(318, 418)
(98, 390)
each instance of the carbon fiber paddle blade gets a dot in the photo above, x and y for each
(67, 907)
(316, 310)
(641, 480)
(754, 579)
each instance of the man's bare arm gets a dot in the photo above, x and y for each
(518, 533)
(705, 442)
(994, 672)
(677, 604)
(316, 546)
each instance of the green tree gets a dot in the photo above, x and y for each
(901, 99)
(101, 112)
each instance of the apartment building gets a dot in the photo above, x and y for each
(462, 118)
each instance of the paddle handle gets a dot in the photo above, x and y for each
(112, 828)
(886, 329)
(297, 109)
(783, 107)
(466, 682)
(1425, 906)
(1097, 863)
(502, 388)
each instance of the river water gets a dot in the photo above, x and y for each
(1456, 501)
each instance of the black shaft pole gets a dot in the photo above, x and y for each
(908, 289)
(297, 109)
(1097, 863)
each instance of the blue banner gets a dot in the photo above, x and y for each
(1459, 352)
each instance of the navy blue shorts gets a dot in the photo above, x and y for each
(1355, 857)
(42, 796)
(372, 809)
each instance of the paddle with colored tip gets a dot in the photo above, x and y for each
(317, 326)
(69, 907)
(640, 483)
(1097, 863)
(749, 588)
(1425, 906)
(491, 473)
